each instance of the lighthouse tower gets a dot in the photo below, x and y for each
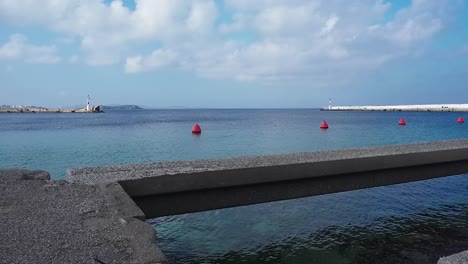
(88, 107)
(329, 104)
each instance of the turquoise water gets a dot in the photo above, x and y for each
(408, 223)
(55, 142)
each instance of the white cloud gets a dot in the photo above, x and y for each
(237, 24)
(158, 59)
(412, 31)
(18, 48)
(107, 31)
(420, 21)
(285, 20)
(330, 24)
(266, 40)
(34, 12)
(324, 42)
(202, 16)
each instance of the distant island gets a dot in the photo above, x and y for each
(121, 107)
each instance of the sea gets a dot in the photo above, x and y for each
(407, 223)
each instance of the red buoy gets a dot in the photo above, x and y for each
(196, 129)
(402, 122)
(460, 120)
(324, 125)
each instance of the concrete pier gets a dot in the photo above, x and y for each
(167, 188)
(96, 216)
(93, 109)
(404, 108)
(44, 221)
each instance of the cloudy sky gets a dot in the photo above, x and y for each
(233, 53)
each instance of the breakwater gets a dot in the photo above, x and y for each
(94, 109)
(407, 108)
(94, 215)
(168, 188)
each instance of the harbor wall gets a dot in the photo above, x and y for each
(415, 108)
(93, 109)
(96, 216)
(168, 188)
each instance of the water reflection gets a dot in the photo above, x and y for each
(408, 223)
(423, 238)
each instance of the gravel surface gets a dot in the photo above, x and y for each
(43, 221)
(460, 258)
(136, 171)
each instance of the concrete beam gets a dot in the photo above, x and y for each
(209, 199)
(168, 188)
(460, 258)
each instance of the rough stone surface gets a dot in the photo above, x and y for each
(43, 221)
(183, 184)
(172, 177)
(19, 174)
(460, 258)
(137, 171)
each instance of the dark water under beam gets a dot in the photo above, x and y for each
(408, 223)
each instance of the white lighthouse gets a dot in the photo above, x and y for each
(329, 104)
(88, 107)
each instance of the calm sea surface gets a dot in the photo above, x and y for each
(407, 223)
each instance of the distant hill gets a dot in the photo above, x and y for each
(121, 107)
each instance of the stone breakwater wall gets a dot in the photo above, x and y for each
(96, 216)
(403, 108)
(94, 109)
(168, 188)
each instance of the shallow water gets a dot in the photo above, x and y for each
(407, 223)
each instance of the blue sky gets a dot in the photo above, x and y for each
(233, 53)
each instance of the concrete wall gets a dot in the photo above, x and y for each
(168, 188)
(420, 108)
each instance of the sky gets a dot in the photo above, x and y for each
(233, 53)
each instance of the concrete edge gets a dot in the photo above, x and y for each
(143, 242)
(210, 179)
(459, 258)
(16, 174)
(170, 169)
(143, 235)
(118, 198)
(441, 148)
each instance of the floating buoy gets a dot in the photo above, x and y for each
(402, 122)
(324, 125)
(460, 120)
(196, 129)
